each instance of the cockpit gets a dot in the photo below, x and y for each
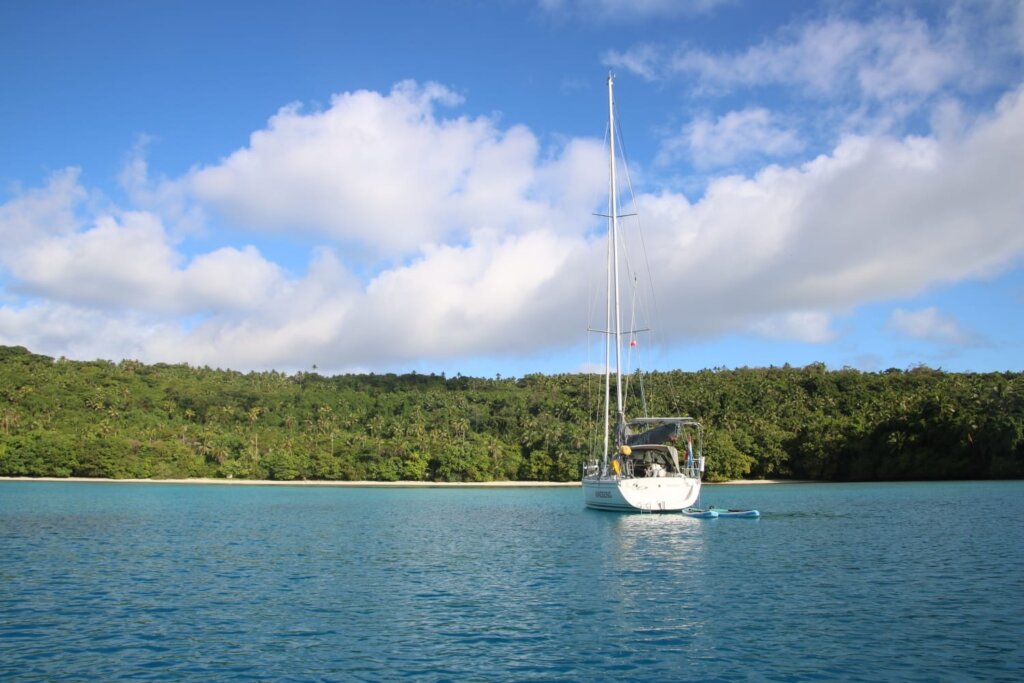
(650, 460)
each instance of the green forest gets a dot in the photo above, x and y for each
(61, 418)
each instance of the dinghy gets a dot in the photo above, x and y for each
(700, 514)
(735, 512)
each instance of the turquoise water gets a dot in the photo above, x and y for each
(871, 582)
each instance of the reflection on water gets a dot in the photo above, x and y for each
(662, 564)
(672, 538)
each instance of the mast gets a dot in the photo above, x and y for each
(607, 338)
(614, 243)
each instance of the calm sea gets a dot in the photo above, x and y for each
(874, 582)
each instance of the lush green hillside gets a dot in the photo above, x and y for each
(101, 419)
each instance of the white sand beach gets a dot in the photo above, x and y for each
(267, 482)
(368, 484)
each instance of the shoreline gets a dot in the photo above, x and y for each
(308, 482)
(367, 484)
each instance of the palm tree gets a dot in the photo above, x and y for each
(253, 415)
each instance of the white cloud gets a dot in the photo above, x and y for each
(120, 259)
(880, 59)
(494, 296)
(811, 327)
(645, 60)
(904, 58)
(229, 279)
(736, 135)
(877, 218)
(46, 211)
(845, 70)
(384, 172)
(889, 64)
(51, 327)
(517, 218)
(497, 294)
(114, 263)
(372, 168)
(930, 325)
(780, 252)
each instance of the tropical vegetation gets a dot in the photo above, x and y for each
(64, 418)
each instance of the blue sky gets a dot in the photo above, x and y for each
(401, 186)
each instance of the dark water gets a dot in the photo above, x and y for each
(835, 582)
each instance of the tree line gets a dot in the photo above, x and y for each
(131, 420)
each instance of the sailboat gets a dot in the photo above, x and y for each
(641, 468)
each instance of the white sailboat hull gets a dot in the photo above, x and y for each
(641, 494)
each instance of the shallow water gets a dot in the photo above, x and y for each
(835, 582)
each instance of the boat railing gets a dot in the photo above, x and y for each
(694, 468)
(691, 468)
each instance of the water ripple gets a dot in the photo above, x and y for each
(221, 583)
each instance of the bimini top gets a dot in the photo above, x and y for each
(658, 430)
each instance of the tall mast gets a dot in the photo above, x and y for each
(608, 326)
(614, 237)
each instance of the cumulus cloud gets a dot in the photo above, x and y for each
(386, 173)
(930, 325)
(119, 259)
(51, 327)
(496, 220)
(812, 327)
(877, 218)
(884, 57)
(779, 252)
(372, 168)
(42, 212)
(735, 135)
(498, 294)
(111, 264)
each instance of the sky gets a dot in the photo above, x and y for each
(408, 186)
